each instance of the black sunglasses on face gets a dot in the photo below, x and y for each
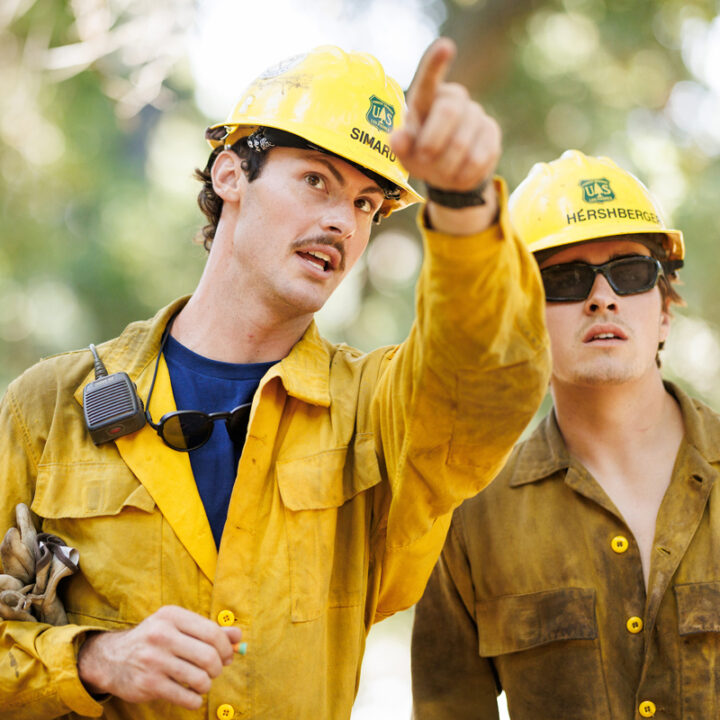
(186, 430)
(572, 282)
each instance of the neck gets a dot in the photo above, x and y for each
(225, 319)
(604, 425)
(232, 335)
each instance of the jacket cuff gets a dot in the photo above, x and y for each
(478, 245)
(61, 652)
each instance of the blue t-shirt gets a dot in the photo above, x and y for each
(199, 383)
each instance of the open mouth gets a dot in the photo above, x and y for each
(319, 259)
(600, 334)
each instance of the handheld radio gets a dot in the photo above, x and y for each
(111, 405)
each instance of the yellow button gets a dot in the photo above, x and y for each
(647, 708)
(619, 544)
(226, 617)
(634, 624)
(227, 712)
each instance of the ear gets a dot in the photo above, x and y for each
(664, 325)
(228, 177)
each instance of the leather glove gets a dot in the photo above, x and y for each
(17, 550)
(34, 565)
(12, 599)
(54, 560)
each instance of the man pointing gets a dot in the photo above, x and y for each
(323, 503)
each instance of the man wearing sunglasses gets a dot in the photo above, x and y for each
(285, 493)
(584, 581)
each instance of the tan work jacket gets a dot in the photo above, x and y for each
(540, 592)
(352, 465)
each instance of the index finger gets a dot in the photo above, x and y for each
(196, 626)
(431, 71)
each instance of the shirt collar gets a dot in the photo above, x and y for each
(542, 454)
(702, 425)
(545, 453)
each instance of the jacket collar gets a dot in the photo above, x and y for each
(544, 452)
(167, 474)
(305, 371)
(135, 348)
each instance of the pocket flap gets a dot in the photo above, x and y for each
(328, 479)
(698, 607)
(88, 490)
(518, 622)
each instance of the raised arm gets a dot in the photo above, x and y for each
(453, 399)
(450, 143)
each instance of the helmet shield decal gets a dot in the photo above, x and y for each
(380, 114)
(597, 190)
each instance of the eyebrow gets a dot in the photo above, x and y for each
(614, 256)
(621, 254)
(375, 188)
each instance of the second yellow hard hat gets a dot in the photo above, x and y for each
(578, 198)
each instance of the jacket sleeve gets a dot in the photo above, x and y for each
(455, 396)
(449, 678)
(38, 662)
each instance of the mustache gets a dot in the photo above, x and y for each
(322, 240)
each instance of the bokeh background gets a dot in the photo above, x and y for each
(103, 104)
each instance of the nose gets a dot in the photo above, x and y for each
(339, 219)
(602, 297)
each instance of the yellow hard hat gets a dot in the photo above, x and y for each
(578, 198)
(340, 102)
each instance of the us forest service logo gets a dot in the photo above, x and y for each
(597, 190)
(380, 114)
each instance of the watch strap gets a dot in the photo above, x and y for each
(458, 199)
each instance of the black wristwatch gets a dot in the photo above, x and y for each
(458, 199)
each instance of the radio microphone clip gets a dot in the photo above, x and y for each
(111, 404)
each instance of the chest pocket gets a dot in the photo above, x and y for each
(103, 511)
(698, 608)
(545, 642)
(327, 516)
(521, 622)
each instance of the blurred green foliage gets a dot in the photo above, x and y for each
(99, 134)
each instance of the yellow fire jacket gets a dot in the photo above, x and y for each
(352, 466)
(540, 592)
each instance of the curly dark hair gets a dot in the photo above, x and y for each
(208, 200)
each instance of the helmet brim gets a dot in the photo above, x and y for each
(235, 132)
